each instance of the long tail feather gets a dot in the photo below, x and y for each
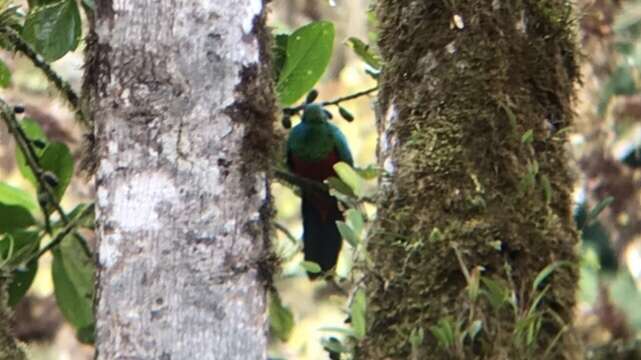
(321, 238)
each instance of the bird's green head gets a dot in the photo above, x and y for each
(314, 114)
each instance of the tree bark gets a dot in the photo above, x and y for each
(183, 106)
(9, 349)
(463, 86)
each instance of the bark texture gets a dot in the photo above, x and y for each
(183, 107)
(9, 349)
(472, 97)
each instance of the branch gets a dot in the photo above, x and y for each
(29, 152)
(63, 86)
(301, 182)
(69, 227)
(335, 102)
(285, 231)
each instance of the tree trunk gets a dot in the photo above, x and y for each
(9, 350)
(472, 98)
(183, 107)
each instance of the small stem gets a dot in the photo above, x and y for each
(69, 227)
(335, 102)
(349, 97)
(30, 155)
(62, 86)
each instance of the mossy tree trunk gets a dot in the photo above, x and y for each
(472, 99)
(181, 94)
(9, 349)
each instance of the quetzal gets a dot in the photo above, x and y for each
(313, 147)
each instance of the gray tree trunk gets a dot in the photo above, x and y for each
(182, 99)
(472, 97)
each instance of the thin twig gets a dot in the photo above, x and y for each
(285, 231)
(349, 97)
(30, 155)
(63, 86)
(335, 102)
(69, 227)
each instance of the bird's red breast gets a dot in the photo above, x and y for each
(315, 170)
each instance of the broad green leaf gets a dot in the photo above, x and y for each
(14, 217)
(364, 52)
(355, 220)
(347, 233)
(340, 186)
(357, 312)
(311, 267)
(281, 319)
(10, 195)
(350, 177)
(35, 135)
(279, 54)
(73, 277)
(57, 160)
(20, 246)
(53, 29)
(5, 75)
(547, 271)
(309, 50)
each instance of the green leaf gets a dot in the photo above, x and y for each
(334, 345)
(597, 209)
(355, 220)
(309, 50)
(474, 329)
(53, 29)
(281, 319)
(279, 54)
(10, 195)
(20, 246)
(344, 331)
(547, 188)
(34, 133)
(340, 186)
(527, 137)
(350, 177)
(73, 275)
(14, 217)
(369, 173)
(347, 233)
(547, 271)
(311, 267)
(5, 75)
(357, 312)
(57, 159)
(364, 52)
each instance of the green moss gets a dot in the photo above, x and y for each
(464, 97)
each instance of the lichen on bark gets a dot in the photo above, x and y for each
(472, 97)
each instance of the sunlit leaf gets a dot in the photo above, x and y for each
(357, 312)
(347, 233)
(5, 75)
(10, 195)
(311, 267)
(309, 50)
(364, 52)
(281, 319)
(350, 177)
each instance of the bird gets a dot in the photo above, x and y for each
(313, 147)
